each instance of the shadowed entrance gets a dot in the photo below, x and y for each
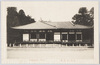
(50, 36)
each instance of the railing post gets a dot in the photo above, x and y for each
(20, 45)
(10, 45)
(86, 45)
(73, 44)
(79, 45)
(13, 45)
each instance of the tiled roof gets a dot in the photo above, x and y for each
(68, 25)
(51, 25)
(36, 25)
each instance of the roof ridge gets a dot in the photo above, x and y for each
(72, 23)
(49, 24)
(61, 22)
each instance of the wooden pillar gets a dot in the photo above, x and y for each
(75, 36)
(68, 38)
(61, 38)
(29, 36)
(45, 36)
(81, 36)
(37, 35)
(53, 38)
(45, 40)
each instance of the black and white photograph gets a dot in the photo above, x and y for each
(53, 32)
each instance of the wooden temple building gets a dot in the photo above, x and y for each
(64, 33)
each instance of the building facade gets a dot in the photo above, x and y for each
(53, 33)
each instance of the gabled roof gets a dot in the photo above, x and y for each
(52, 25)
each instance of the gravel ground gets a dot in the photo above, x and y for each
(50, 53)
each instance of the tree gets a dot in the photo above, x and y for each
(25, 19)
(30, 19)
(15, 18)
(22, 13)
(83, 17)
(92, 10)
(83, 10)
(12, 17)
(22, 17)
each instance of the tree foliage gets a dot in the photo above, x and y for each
(12, 17)
(15, 18)
(84, 17)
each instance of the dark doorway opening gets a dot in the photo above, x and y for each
(71, 37)
(64, 36)
(49, 36)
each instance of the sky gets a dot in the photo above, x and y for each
(55, 11)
